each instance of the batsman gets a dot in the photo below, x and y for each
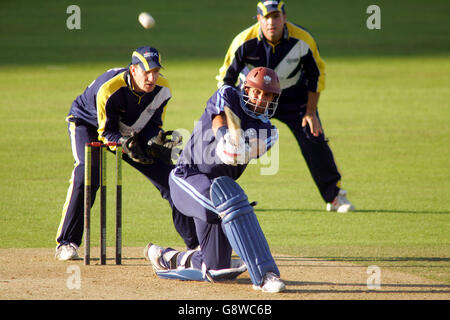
(127, 106)
(233, 129)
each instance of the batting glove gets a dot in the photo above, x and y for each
(230, 153)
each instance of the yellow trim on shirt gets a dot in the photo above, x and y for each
(247, 34)
(305, 36)
(162, 81)
(103, 95)
(252, 32)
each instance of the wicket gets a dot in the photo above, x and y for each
(99, 150)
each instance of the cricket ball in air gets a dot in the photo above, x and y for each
(146, 20)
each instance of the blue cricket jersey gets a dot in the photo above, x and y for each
(199, 153)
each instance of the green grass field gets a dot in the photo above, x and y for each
(385, 110)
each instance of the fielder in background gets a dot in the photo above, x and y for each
(292, 52)
(233, 129)
(125, 105)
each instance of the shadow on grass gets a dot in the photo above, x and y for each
(354, 212)
(370, 259)
(389, 262)
(337, 287)
(316, 287)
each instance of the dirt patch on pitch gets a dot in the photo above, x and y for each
(35, 274)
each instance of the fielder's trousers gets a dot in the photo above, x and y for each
(316, 152)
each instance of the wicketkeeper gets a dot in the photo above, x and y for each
(233, 129)
(124, 105)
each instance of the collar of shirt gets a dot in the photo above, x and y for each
(127, 77)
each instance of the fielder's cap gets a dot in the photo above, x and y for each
(147, 57)
(266, 7)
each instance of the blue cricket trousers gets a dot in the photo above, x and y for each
(72, 220)
(190, 193)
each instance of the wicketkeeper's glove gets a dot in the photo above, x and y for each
(163, 146)
(131, 147)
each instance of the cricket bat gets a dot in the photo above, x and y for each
(234, 125)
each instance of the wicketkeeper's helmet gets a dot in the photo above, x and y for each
(264, 79)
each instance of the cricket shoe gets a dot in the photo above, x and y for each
(340, 203)
(66, 252)
(271, 283)
(160, 261)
